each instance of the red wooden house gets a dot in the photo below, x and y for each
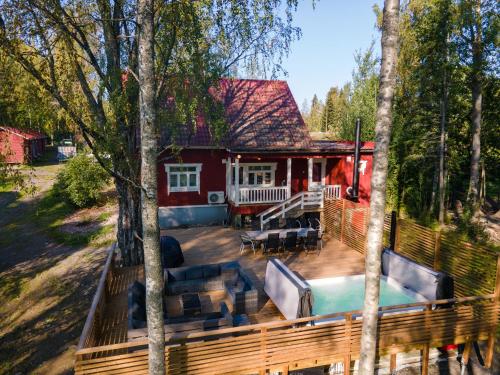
(266, 162)
(21, 146)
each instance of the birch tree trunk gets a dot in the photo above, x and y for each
(378, 185)
(150, 227)
(477, 99)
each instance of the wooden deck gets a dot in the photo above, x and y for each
(207, 245)
(273, 344)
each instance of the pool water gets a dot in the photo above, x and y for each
(347, 293)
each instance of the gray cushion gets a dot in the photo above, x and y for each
(137, 312)
(137, 294)
(176, 275)
(211, 270)
(195, 272)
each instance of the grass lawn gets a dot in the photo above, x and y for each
(51, 254)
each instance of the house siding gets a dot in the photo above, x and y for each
(212, 177)
(19, 150)
(192, 208)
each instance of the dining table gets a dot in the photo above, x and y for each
(258, 235)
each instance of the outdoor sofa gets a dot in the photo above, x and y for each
(137, 324)
(221, 276)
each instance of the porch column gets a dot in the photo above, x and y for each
(289, 177)
(309, 173)
(236, 182)
(228, 178)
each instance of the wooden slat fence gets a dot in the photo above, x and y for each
(474, 267)
(347, 222)
(296, 344)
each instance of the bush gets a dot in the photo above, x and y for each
(81, 181)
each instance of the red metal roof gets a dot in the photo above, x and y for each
(261, 115)
(26, 134)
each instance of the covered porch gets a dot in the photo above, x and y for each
(273, 178)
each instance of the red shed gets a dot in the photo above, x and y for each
(21, 146)
(266, 161)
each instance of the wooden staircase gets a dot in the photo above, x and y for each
(305, 201)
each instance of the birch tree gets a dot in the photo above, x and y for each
(378, 185)
(150, 225)
(93, 46)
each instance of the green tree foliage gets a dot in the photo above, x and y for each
(313, 117)
(84, 54)
(363, 95)
(432, 47)
(335, 111)
(82, 180)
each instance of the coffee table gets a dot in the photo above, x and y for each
(191, 304)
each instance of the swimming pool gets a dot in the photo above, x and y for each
(347, 293)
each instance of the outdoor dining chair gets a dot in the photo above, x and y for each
(290, 241)
(316, 225)
(273, 243)
(246, 241)
(292, 223)
(312, 242)
(274, 223)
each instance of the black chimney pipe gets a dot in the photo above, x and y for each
(357, 150)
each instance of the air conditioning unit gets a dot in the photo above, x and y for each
(215, 197)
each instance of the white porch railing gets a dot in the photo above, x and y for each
(256, 195)
(331, 191)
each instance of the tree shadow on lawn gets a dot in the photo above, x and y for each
(51, 321)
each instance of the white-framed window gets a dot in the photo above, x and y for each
(256, 174)
(183, 177)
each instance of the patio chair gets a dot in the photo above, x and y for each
(315, 224)
(312, 241)
(246, 241)
(292, 223)
(273, 243)
(290, 241)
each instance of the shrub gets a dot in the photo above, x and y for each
(81, 181)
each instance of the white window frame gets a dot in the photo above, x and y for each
(246, 171)
(183, 189)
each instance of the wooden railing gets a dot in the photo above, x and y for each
(258, 195)
(306, 342)
(92, 326)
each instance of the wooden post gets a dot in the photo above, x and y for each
(466, 353)
(263, 349)
(236, 182)
(393, 364)
(309, 173)
(392, 235)
(437, 251)
(490, 350)
(289, 178)
(342, 222)
(397, 235)
(490, 347)
(228, 177)
(425, 359)
(347, 358)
